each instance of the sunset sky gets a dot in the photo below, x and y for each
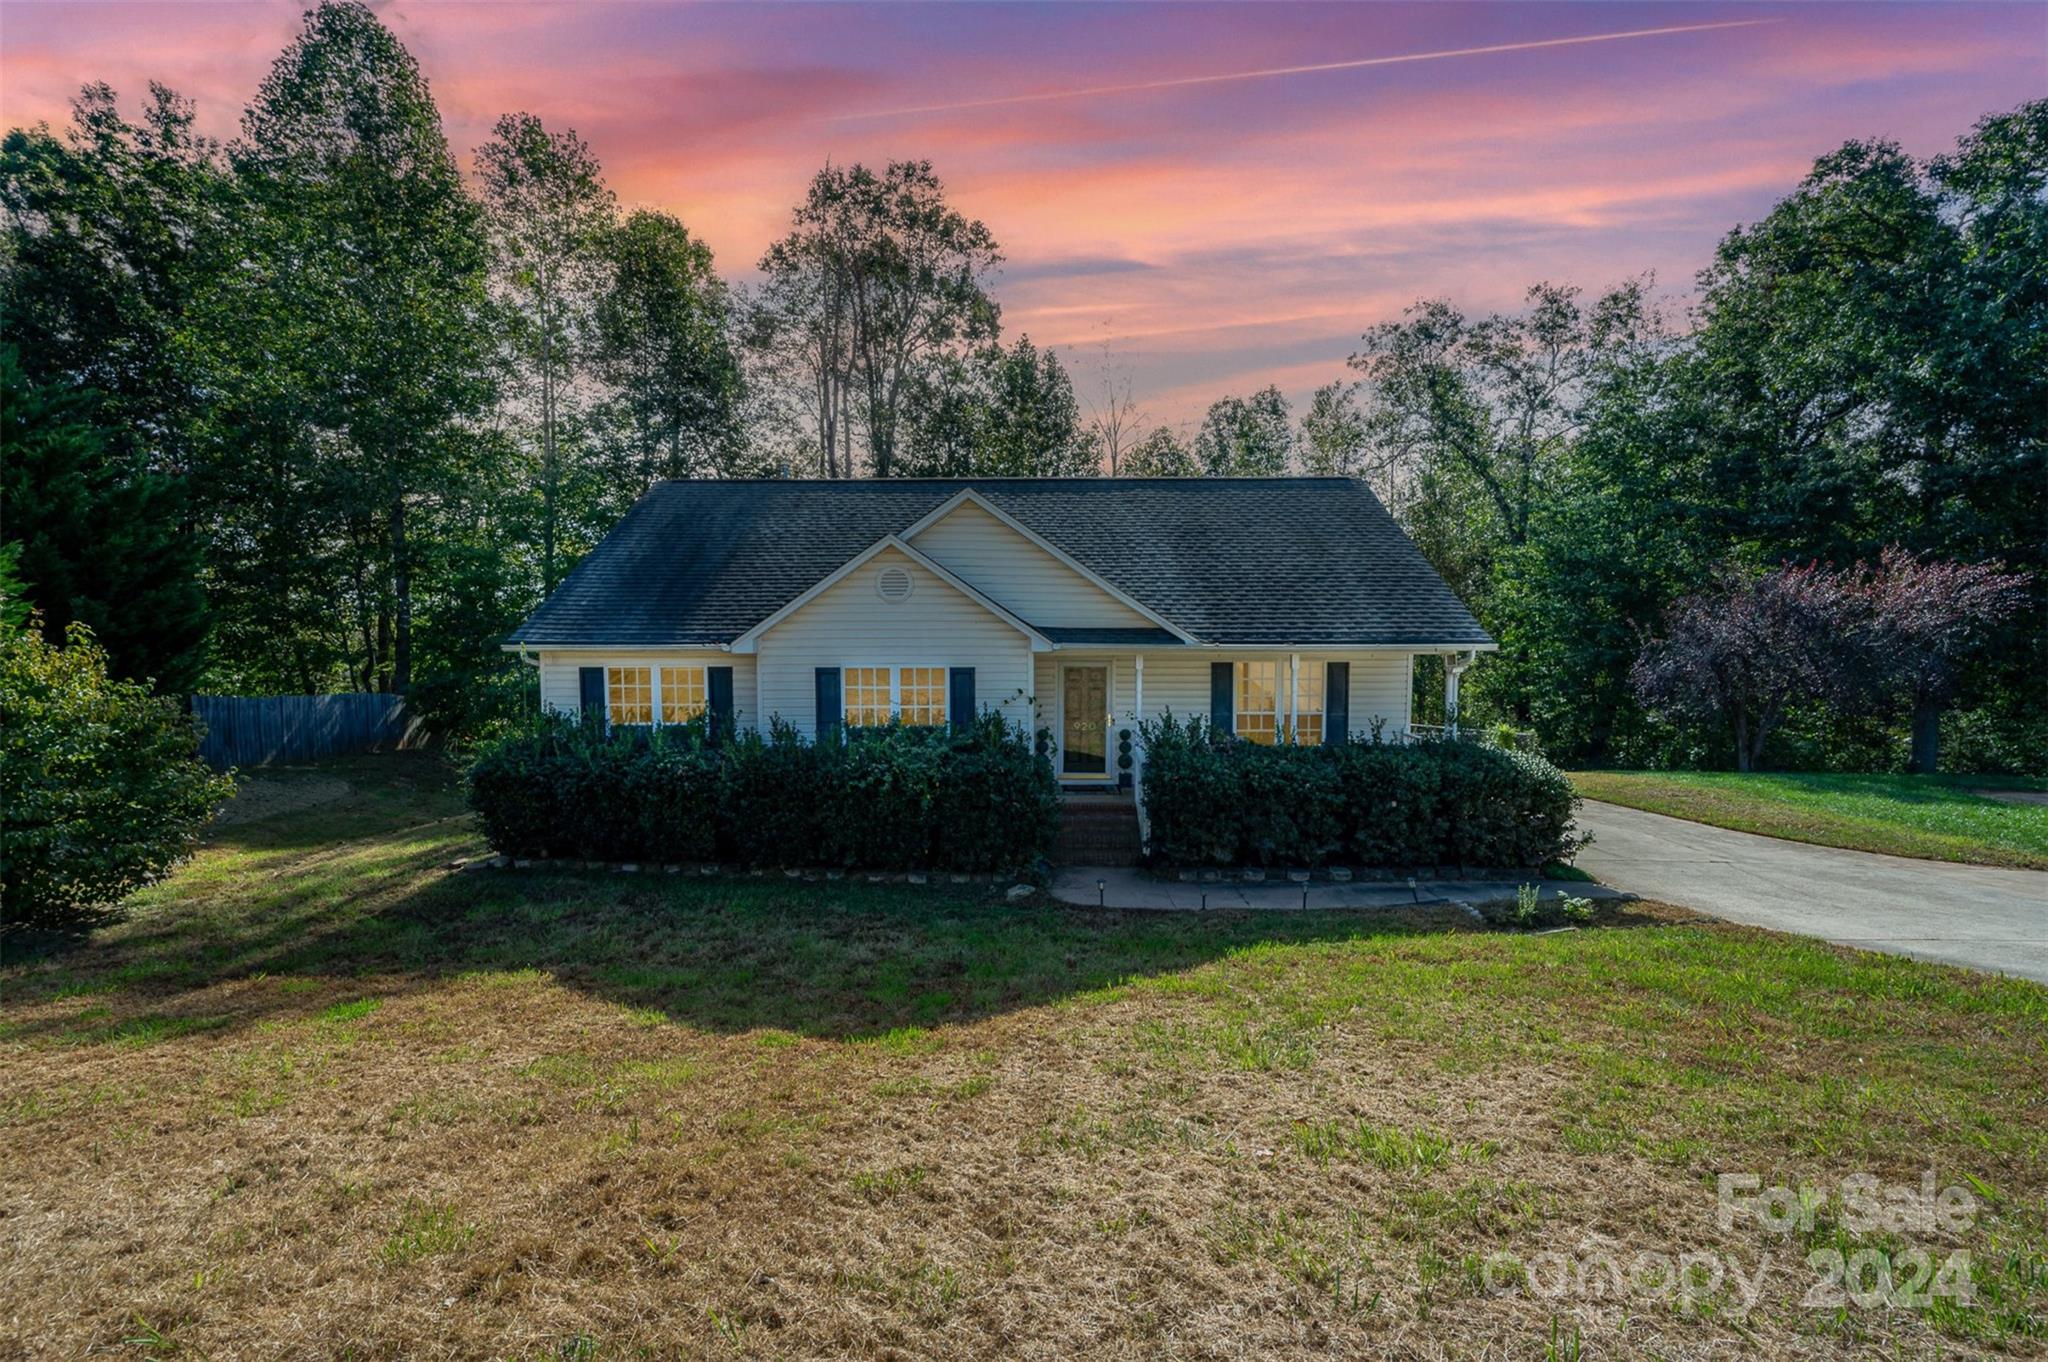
(1215, 234)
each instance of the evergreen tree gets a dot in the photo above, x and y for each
(99, 539)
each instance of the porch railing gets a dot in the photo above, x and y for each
(1515, 739)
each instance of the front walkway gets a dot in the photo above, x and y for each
(1122, 888)
(1985, 917)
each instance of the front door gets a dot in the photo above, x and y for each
(1084, 721)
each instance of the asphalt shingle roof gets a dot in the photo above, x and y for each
(1229, 560)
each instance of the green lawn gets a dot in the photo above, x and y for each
(321, 1095)
(1939, 818)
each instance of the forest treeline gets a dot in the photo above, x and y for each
(329, 406)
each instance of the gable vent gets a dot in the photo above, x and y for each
(893, 584)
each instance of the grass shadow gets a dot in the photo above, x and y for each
(361, 889)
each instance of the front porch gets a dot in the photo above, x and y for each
(1092, 702)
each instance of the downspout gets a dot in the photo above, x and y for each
(533, 662)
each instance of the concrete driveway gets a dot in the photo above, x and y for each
(1980, 916)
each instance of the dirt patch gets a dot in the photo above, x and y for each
(268, 796)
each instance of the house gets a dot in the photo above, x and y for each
(1287, 609)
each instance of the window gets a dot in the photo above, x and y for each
(877, 695)
(629, 695)
(868, 701)
(682, 694)
(1258, 709)
(1308, 710)
(923, 695)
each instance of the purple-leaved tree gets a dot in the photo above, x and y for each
(1925, 617)
(1870, 639)
(1750, 649)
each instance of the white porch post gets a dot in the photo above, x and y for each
(1294, 697)
(654, 691)
(1138, 747)
(1454, 667)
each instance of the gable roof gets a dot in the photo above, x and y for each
(1229, 561)
(970, 496)
(745, 642)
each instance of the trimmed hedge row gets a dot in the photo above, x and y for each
(880, 799)
(1216, 800)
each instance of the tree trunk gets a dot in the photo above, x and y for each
(401, 590)
(1926, 753)
(548, 475)
(1741, 739)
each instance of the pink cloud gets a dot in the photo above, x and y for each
(1220, 235)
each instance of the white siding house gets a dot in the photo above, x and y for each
(1286, 610)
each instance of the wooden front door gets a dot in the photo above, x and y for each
(1084, 721)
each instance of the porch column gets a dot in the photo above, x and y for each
(1138, 686)
(1454, 667)
(1294, 697)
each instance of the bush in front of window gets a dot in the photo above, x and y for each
(889, 798)
(776, 791)
(1216, 800)
(996, 800)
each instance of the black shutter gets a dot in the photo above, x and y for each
(718, 699)
(1336, 702)
(590, 692)
(1223, 696)
(960, 698)
(828, 700)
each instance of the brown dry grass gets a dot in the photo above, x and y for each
(320, 1097)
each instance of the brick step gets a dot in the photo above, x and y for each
(1098, 831)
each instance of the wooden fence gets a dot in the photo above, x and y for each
(254, 730)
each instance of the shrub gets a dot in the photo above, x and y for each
(1216, 800)
(104, 789)
(888, 798)
(994, 798)
(775, 797)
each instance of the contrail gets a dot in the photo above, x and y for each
(1269, 72)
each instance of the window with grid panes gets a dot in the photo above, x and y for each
(1308, 712)
(1258, 708)
(683, 695)
(629, 695)
(866, 700)
(921, 692)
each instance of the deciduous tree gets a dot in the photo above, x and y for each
(666, 348)
(376, 252)
(1333, 435)
(549, 215)
(1161, 454)
(884, 266)
(1749, 650)
(1246, 437)
(1926, 617)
